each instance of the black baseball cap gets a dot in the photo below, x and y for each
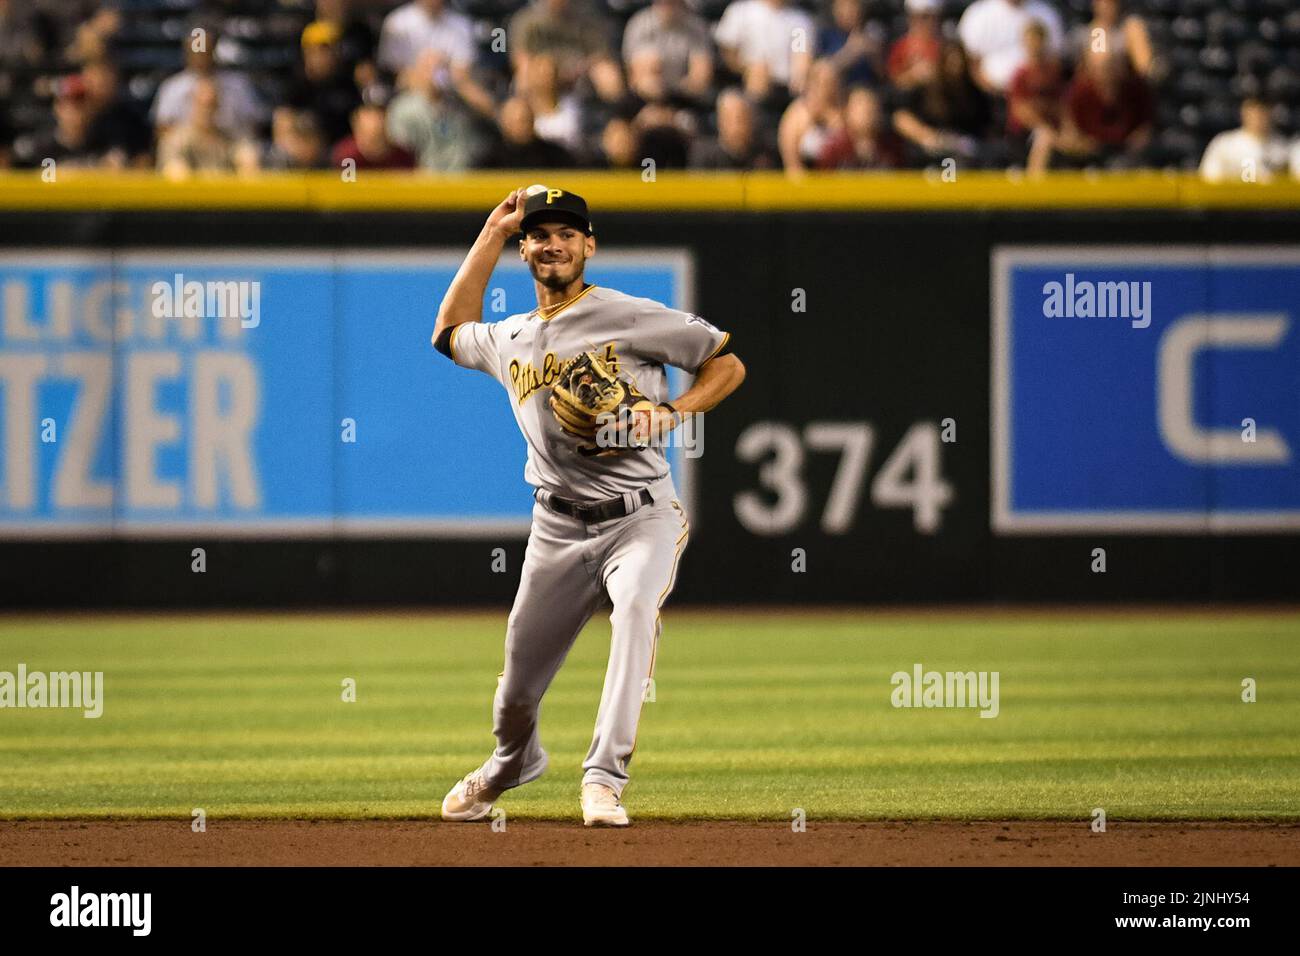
(556, 205)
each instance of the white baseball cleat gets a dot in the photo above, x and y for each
(600, 807)
(471, 799)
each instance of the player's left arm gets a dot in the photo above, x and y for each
(716, 379)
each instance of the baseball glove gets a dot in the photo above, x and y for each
(593, 404)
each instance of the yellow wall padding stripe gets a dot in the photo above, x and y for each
(623, 192)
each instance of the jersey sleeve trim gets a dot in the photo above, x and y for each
(723, 348)
(451, 344)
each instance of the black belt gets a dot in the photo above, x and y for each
(597, 511)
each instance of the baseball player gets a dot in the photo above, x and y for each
(606, 526)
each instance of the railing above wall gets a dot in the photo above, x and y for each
(627, 192)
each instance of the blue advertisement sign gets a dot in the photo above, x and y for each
(261, 392)
(1145, 389)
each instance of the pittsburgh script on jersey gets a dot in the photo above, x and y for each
(526, 379)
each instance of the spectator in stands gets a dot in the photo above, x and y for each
(1108, 114)
(662, 122)
(68, 141)
(666, 117)
(356, 40)
(618, 144)
(1034, 97)
(993, 33)
(519, 146)
(646, 82)
(557, 118)
(1110, 31)
(21, 48)
(738, 144)
(1252, 153)
(239, 111)
(769, 44)
(866, 142)
(423, 121)
(578, 37)
(296, 141)
(369, 146)
(93, 35)
(118, 131)
(812, 119)
(323, 85)
(946, 116)
(914, 57)
(423, 25)
(851, 43)
(199, 144)
(668, 52)
(664, 135)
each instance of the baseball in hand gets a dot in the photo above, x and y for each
(535, 188)
(641, 432)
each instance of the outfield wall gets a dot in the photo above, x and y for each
(934, 410)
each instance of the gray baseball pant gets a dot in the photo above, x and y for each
(569, 568)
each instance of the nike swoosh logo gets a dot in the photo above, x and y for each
(514, 333)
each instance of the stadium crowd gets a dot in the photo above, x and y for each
(190, 86)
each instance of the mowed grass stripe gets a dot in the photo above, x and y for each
(754, 716)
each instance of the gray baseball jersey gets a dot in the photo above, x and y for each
(524, 353)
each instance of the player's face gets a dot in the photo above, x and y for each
(556, 254)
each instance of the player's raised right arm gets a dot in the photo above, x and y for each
(464, 299)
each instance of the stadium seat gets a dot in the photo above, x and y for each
(1188, 30)
(1219, 114)
(1217, 60)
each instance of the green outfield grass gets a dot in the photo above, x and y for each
(755, 714)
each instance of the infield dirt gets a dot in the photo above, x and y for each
(650, 843)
